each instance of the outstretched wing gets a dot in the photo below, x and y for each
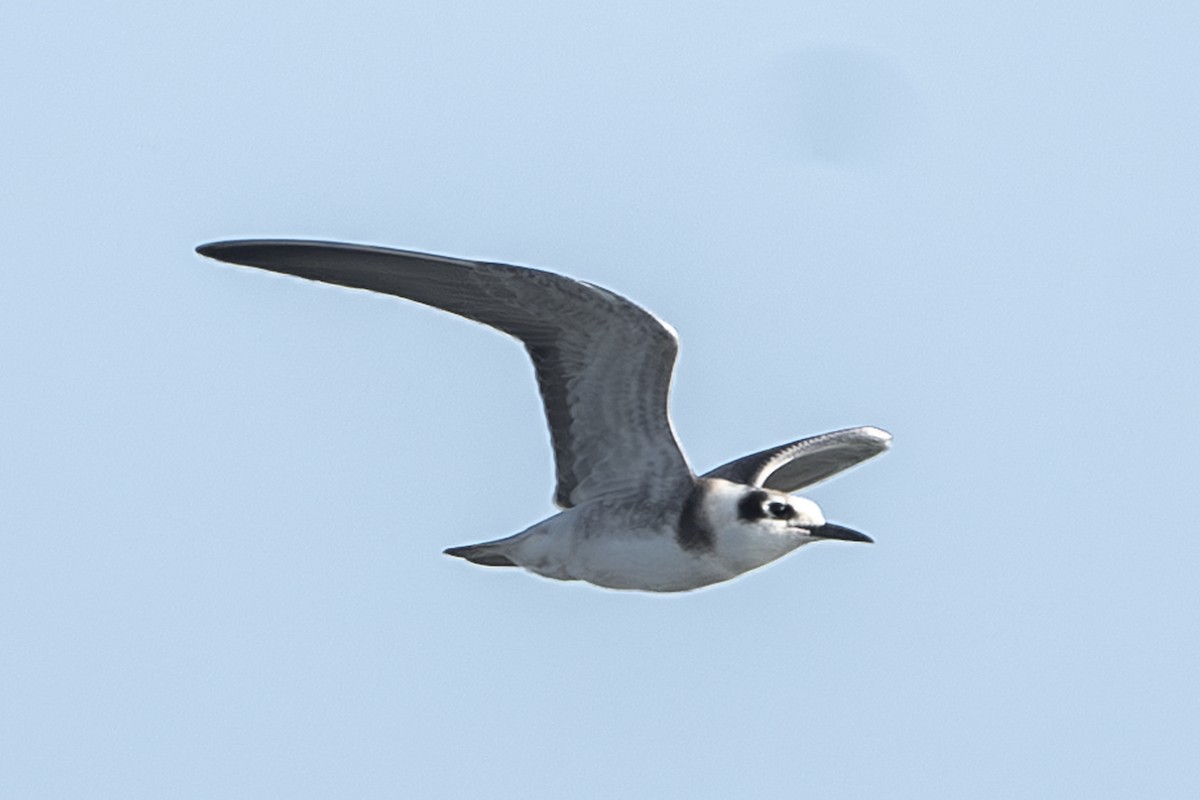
(793, 466)
(603, 364)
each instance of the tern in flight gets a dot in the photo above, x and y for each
(634, 514)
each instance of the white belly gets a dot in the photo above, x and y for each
(653, 564)
(650, 561)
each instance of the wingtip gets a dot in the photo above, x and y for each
(884, 437)
(480, 554)
(247, 252)
(213, 249)
(877, 437)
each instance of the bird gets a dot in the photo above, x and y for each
(633, 515)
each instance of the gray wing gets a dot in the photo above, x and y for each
(603, 364)
(793, 466)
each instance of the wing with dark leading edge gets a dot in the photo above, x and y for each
(793, 466)
(603, 364)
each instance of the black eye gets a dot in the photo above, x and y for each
(780, 510)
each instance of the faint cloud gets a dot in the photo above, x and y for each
(843, 105)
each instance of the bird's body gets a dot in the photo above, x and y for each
(634, 514)
(627, 544)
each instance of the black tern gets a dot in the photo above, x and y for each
(634, 514)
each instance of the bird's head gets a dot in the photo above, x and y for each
(729, 505)
(790, 515)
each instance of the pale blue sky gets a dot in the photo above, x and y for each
(225, 492)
